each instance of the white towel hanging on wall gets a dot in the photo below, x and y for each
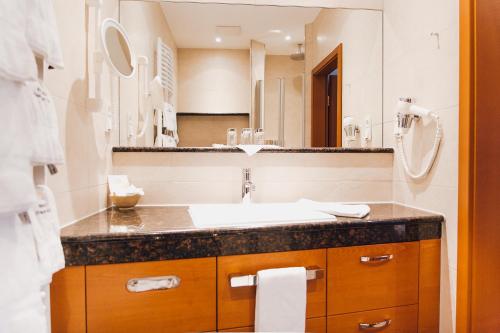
(43, 117)
(17, 62)
(41, 32)
(16, 147)
(21, 306)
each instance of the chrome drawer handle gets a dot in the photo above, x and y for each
(380, 324)
(383, 258)
(140, 285)
(237, 281)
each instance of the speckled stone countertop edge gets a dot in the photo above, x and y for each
(236, 150)
(230, 230)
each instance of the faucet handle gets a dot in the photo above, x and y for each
(246, 173)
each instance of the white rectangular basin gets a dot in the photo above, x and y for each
(217, 215)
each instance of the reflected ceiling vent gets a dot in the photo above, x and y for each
(228, 30)
(299, 54)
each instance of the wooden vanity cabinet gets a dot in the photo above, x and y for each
(190, 307)
(236, 306)
(313, 325)
(372, 277)
(367, 285)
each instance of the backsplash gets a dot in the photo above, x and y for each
(184, 178)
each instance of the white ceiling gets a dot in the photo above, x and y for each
(194, 25)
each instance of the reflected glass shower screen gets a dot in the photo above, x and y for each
(284, 114)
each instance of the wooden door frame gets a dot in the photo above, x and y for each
(478, 267)
(466, 164)
(319, 98)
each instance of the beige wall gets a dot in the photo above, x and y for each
(183, 178)
(203, 131)
(360, 32)
(213, 81)
(80, 186)
(144, 22)
(281, 66)
(414, 66)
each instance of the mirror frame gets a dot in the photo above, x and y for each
(112, 23)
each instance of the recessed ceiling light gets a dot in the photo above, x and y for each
(218, 39)
(288, 37)
(275, 31)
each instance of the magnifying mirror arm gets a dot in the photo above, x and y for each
(95, 60)
(144, 97)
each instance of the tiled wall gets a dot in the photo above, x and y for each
(206, 75)
(144, 22)
(360, 33)
(416, 64)
(181, 178)
(80, 185)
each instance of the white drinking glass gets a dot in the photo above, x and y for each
(246, 136)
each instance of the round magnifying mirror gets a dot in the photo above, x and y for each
(117, 49)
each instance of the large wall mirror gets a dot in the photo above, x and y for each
(306, 77)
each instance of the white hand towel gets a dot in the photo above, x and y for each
(251, 150)
(17, 62)
(337, 209)
(46, 232)
(281, 300)
(46, 145)
(21, 306)
(41, 32)
(17, 192)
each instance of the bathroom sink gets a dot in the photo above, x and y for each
(216, 215)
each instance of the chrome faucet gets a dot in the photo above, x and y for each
(247, 187)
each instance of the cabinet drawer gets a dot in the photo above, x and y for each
(372, 277)
(189, 307)
(403, 319)
(236, 306)
(313, 325)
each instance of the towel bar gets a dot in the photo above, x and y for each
(237, 281)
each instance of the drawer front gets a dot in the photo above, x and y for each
(364, 278)
(313, 325)
(236, 306)
(402, 319)
(189, 307)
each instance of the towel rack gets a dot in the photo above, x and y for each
(237, 281)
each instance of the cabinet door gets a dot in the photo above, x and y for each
(189, 307)
(371, 277)
(236, 306)
(402, 319)
(67, 301)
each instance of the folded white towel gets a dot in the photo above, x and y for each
(281, 300)
(17, 62)
(47, 146)
(45, 222)
(17, 192)
(41, 32)
(250, 150)
(337, 209)
(21, 306)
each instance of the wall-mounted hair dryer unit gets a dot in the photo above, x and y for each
(351, 130)
(408, 113)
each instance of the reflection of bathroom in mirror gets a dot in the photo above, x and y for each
(298, 73)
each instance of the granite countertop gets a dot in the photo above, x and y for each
(162, 233)
(236, 150)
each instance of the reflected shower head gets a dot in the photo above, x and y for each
(299, 55)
